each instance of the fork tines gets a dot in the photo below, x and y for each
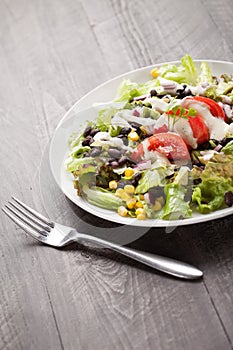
(27, 218)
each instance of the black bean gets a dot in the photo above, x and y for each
(87, 141)
(95, 152)
(161, 95)
(140, 98)
(225, 141)
(94, 132)
(135, 125)
(183, 92)
(153, 93)
(123, 183)
(114, 165)
(180, 90)
(87, 131)
(122, 161)
(120, 184)
(196, 181)
(137, 177)
(114, 153)
(101, 182)
(125, 131)
(124, 139)
(205, 145)
(228, 198)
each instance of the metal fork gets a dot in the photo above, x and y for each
(57, 235)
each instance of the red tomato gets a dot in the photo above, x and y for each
(198, 126)
(169, 144)
(214, 107)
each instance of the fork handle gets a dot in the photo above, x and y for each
(164, 264)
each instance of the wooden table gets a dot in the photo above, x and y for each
(52, 53)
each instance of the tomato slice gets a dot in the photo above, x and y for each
(198, 126)
(214, 107)
(169, 144)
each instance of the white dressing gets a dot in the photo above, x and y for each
(127, 115)
(103, 138)
(183, 128)
(157, 104)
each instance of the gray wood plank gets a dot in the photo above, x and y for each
(52, 53)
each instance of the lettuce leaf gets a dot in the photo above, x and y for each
(102, 198)
(205, 74)
(103, 120)
(186, 72)
(152, 178)
(228, 149)
(175, 206)
(217, 179)
(73, 164)
(129, 89)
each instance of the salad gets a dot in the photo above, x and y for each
(163, 149)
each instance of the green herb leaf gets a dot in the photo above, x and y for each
(192, 112)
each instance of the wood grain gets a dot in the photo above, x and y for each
(51, 54)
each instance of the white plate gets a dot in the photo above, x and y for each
(83, 110)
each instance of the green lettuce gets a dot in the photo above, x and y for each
(129, 89)
(73, 164)
(205, 73)
(152, 178)
(102, 198)
(186, 72)
(217, 179)
(228, 149)
(103, 120)
(175, 206)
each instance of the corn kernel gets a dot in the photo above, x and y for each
(122, 211)
(129, 189)
(155, 72)
(141, 196)
(125, 196)
(140, 211)
(112, 185)
(129, 172)
(138, 205)
(141, 216)
(165, 99)
(131, 203)
(133, 136)
(119, 192)
(157, 206)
